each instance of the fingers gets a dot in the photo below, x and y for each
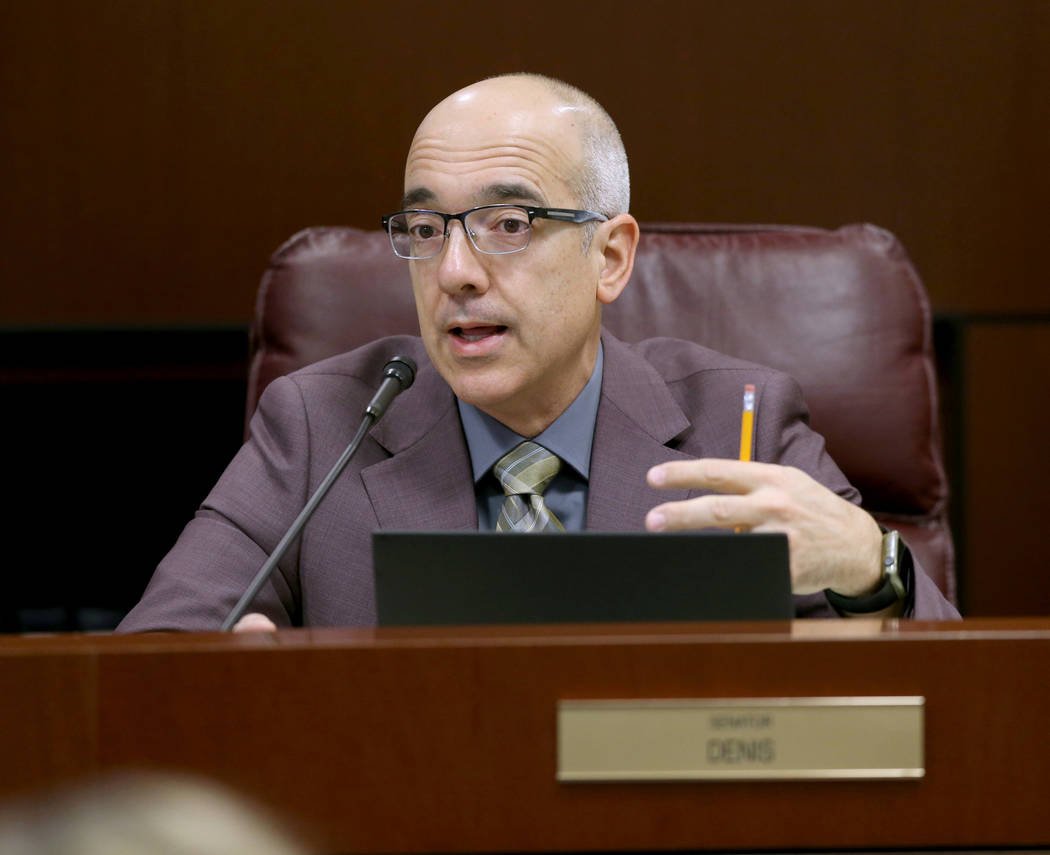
(254, 622)
(723, 476)
(748, 495)
(833, 543)
(713, 511)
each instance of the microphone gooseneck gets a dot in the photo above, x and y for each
(398, 375)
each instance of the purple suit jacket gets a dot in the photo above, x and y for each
(661, 399)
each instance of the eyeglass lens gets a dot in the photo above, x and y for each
(494, 230)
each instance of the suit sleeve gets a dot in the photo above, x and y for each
(236, 528)
(783, 435)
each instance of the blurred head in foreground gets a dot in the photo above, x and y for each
(135, 814)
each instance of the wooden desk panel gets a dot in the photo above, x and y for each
(444, 740)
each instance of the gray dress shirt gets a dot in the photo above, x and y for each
(570, 437)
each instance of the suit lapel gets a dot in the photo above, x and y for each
(426, 484)
(637, 417)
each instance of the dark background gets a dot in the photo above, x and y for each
(153, 154)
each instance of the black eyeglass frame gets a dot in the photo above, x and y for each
(563, 215)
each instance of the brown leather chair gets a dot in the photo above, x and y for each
(842, 311)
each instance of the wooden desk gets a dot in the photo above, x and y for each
(444, 740)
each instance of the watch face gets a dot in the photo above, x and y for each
(896, 563)
(896, 576)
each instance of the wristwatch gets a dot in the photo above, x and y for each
(897, 572)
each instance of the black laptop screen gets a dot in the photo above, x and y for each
(452, 578)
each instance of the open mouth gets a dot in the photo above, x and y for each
(478, 333)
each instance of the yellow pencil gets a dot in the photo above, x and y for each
(747, 422)
(747, 428)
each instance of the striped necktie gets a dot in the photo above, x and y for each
(524, 472)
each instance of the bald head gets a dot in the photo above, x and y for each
(585, 142)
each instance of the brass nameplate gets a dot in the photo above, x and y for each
(747, 739)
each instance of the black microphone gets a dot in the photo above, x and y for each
(398, 375)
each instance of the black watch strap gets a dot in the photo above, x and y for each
(897, 573)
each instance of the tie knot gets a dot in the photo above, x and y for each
(526, 469)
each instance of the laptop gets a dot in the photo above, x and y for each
(454, 578)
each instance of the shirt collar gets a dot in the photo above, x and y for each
(570, 435)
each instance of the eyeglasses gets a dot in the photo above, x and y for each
(492, 229)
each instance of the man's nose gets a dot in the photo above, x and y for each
(460, 266)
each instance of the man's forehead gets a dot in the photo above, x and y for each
(494, 148)
(462, 134)
(530, 171)
(500, 191)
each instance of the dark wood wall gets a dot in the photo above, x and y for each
(153, 153)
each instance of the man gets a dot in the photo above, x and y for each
(515, 226)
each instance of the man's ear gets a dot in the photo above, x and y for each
(619, 240)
